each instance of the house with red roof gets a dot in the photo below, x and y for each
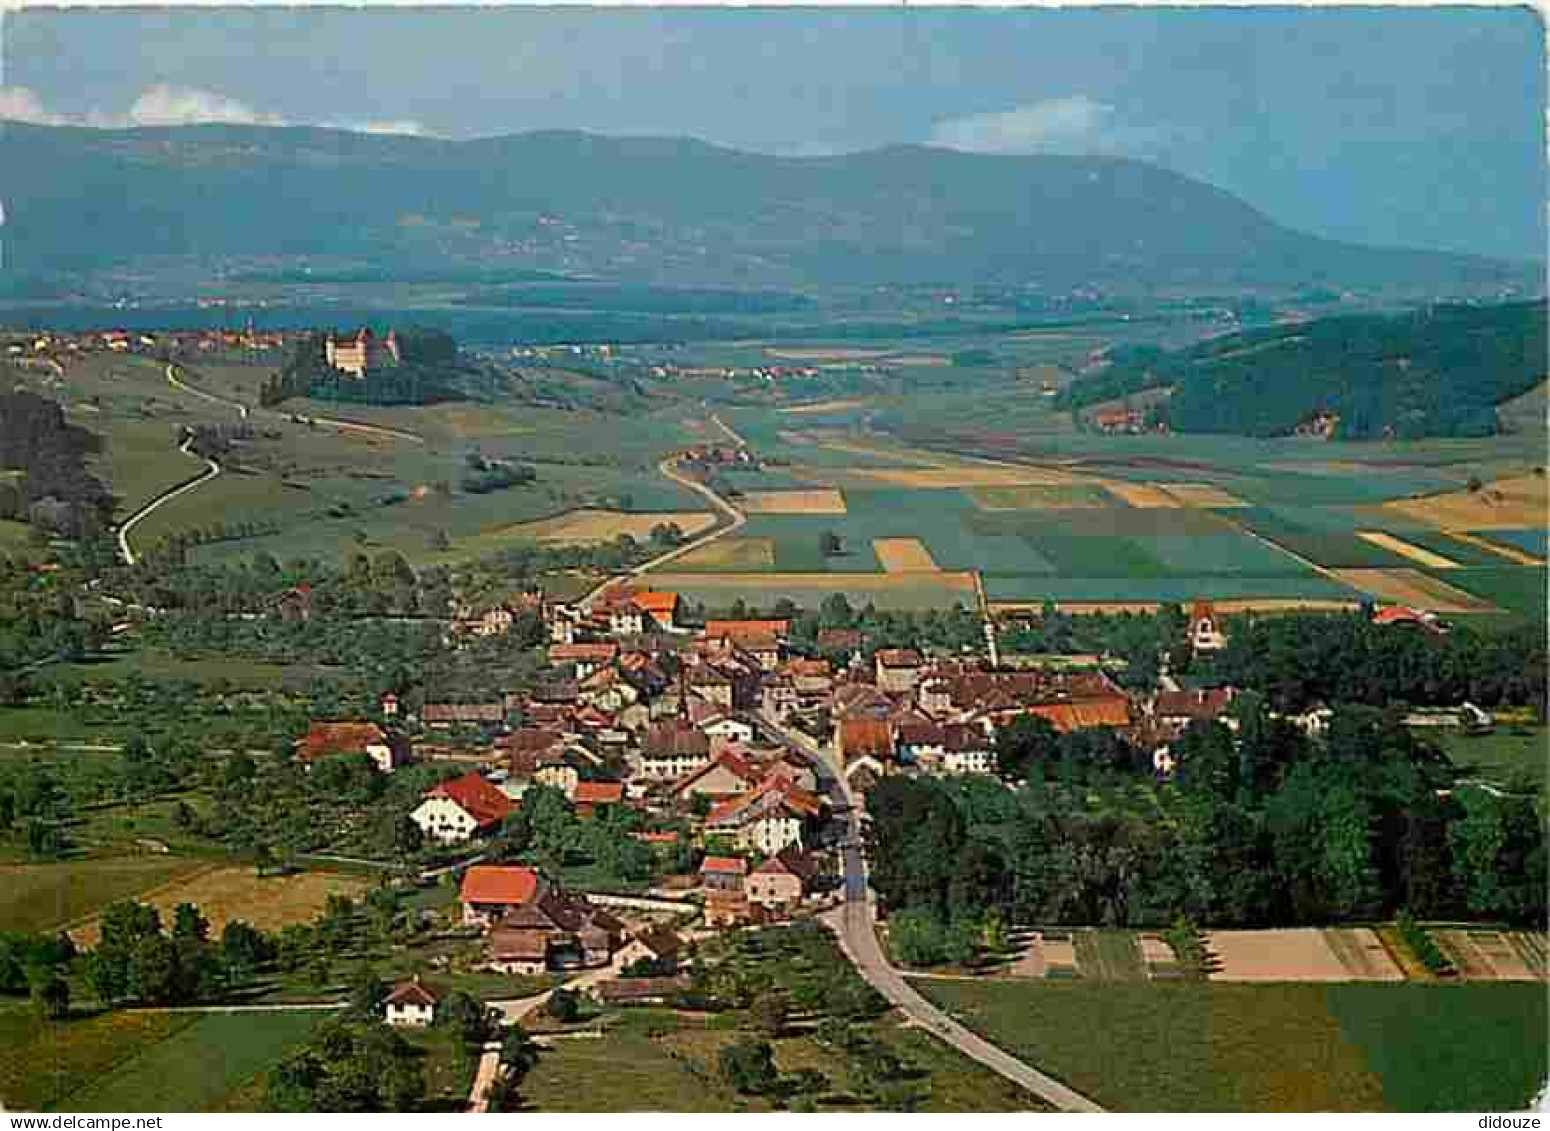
(728, 775)
(590, 796)
(331, 739)
(455, 811)
(898, 669)
(723, 873)
(1205, 628)
(781, 880)
(776, 814)
(489, 891)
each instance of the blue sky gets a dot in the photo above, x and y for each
(1419, 127)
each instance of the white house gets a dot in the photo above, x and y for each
(455, 811)
(412, 1004)
(727, 728)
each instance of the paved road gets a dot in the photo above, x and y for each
(668, 467)
(212, 469)
(854, 923)
(172, 379)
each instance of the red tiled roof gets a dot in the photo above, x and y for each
(598, 793)
(339, 738)
(675, 737)
(569, 653)
(498, 883)
(655, 601)
(899, 658)
(1210, 704)
(724, 866)
(761, 630)
(1083, 713)
(860, 737)
(478, 798)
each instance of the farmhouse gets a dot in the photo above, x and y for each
(782, 880)
(553, 931)
(324, 740)
(411, 1004)
(455, 811)
(660, 946)
(488, 891)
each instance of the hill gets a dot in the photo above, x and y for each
(650, 209)
(1439, 371)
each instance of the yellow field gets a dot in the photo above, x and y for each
(1203, 495)
(825, 353)
(821, 501)
(904, 555)
(1412, 587)
(963, 476)
(223, 894)
(589, 525)
(823, 406)
(1506, 504)
(1417, 554)
(1146, 495)
(728, 553)
(1511, 553)
(1029, 497)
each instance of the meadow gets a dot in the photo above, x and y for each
(1207, 1047)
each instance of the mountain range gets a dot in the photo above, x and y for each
(654, 210)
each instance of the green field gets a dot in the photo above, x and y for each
(1506, 756)
(39, 897)
(211, 1065)
(1207, 1047)
(654, 1060)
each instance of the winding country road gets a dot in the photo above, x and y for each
(212, 469)
(669, 469)
(854, 923)
(244, 411)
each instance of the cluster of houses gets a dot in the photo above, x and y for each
(63, 344)
(693, 729)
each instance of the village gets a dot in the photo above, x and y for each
(726, 736)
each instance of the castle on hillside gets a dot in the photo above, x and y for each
(356, 355)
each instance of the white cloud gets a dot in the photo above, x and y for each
(1055, 123)
(164, 105)
(401, 126)
(167, 105)
(18, 104)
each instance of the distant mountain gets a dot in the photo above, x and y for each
(1440, 371)
(648, 209)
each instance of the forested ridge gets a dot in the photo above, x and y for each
(54, 488)
(1438, 371)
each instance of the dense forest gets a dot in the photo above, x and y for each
(1439, 371)
(1267, 827)
(49, 485)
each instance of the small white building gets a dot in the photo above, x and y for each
(412, 1004)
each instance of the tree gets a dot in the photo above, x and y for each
(770, 1011)
(189, 923)
(563, 1005)
(465, 1015)
(748, 1065)
(1023, 745)
(367, 993)
(519, 1052)
(50, 994)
